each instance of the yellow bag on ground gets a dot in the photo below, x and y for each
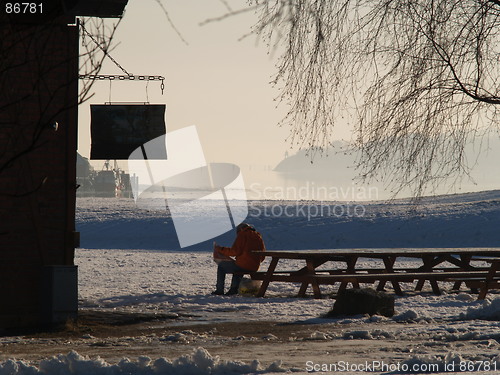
(249, 287)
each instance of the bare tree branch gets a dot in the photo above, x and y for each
(171, 23)
(420, 77)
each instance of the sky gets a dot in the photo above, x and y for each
(217, 81)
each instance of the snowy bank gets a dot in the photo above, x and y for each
(466, 220)
(199, 362)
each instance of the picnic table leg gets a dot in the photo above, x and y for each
(429, 263)
(465, 265)
(310, 269)
(495, 266)
(314, 283)
(351, 268)
(389, 267)
(303, 289)
(465, 259)
(483, 290)
(435, 286)
(267, 277)
(425, 268)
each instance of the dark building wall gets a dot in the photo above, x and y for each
(38, 87)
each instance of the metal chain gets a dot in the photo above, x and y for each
(112, 77)
(104, 50)
(128, 76)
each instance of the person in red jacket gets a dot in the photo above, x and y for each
(247, 240)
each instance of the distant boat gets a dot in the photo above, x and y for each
(109, 182)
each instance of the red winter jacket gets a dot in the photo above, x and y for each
(247, 240)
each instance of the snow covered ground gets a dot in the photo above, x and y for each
(180, 282)
(130, 261)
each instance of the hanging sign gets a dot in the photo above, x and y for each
(118, 129)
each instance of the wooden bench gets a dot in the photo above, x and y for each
(480, 283)
(484, 283)
(257, 275)
(397, 277)
(370, 277)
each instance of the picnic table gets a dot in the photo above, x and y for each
(461, 267)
